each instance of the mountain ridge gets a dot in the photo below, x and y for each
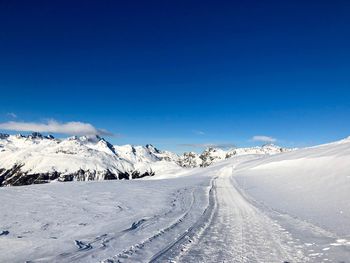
(36, 158)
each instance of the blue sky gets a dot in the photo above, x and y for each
(180, 73)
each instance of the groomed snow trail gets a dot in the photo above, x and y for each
(240, 232)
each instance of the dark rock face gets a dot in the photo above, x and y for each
(10, 175)
(36, 135)
(230, 154)
(4, 135)
(124, 175)
(206, 157)
(137, 174)
(1, 178)
(151, 148)
(50, 137)
(188, 160)
(16, 177)
(110, 176)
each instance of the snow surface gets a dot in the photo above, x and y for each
(253, 208)
(92, 221)
(317, 178)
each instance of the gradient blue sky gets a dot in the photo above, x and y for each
(180, 72)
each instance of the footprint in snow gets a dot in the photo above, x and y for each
(4, 233)
(136, 224)
(82, 245)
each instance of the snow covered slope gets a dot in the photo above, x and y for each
(312, 184)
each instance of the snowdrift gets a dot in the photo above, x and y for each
(312, 184)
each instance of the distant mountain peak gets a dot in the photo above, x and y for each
(35, 135)
(152, 148)
(4, 135)
(211, 154)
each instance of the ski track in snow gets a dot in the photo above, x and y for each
(189, 236)
(136, 252)
(140, 252)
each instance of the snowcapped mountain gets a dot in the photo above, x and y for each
(212, 155)
(37, 159)
(144, 154)
(190, 160)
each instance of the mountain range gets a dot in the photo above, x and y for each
(36, 158)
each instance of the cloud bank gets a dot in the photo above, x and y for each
(52, 126)
(262, 138)
(11, 115)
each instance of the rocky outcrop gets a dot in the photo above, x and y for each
(16, 177)
(4, 135)
(189, 160)
(211, 155)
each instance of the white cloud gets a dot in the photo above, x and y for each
(198, 132)
(262, 138)
(12, 115)
(52, 126)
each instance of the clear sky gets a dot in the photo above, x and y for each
(180, 74)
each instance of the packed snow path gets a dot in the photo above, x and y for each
(240, 230)
(241, 233)
(237, 232)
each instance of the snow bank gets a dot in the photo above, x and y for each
(312, 184)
